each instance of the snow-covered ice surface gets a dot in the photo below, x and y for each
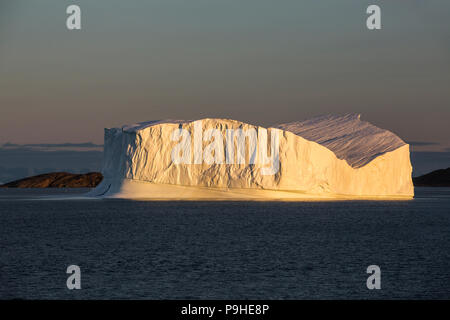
(328, 157)
(142, 125)
(356, 141)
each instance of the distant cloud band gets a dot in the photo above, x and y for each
(422, 143)
(53, 145)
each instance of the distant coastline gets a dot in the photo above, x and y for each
(437, 178)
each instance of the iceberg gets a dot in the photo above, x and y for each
(325, 158)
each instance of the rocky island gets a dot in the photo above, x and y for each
(437, 178)
(58, 180)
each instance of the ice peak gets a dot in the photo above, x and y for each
(350, 138)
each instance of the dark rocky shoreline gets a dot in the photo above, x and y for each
(58, 180)
(438, 178)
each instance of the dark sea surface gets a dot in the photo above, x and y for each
(223, 250)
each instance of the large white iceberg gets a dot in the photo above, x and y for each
(328, 157)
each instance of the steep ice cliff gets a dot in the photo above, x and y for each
(327, 157)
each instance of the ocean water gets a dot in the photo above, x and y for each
(223, 250)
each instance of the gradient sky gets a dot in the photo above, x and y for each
(258, 61)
